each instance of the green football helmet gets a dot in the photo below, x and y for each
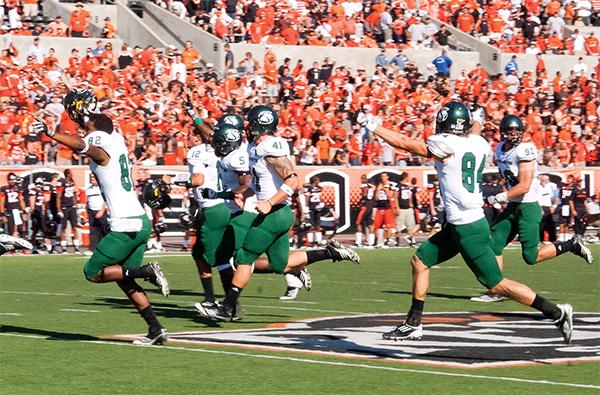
(454, 118)
(261, 120)
(79, 104)
(231, 119)
(225, 139)
(511, 129)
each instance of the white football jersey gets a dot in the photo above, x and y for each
(266, 180)
(460, 177)
(202, 159)
(115, 181)
(237, 161)
(508, 164)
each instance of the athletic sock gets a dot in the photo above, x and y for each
(310, 237)
(563, 246)
(549, 309)
(209, 292)
(380, 233)
(137, 272)
(226, 273)
(318, 237)
(150, 317)
(317, 255)
(231, 298)
(413, 318)
(358, 238)
(371, 239)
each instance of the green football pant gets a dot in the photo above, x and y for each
(268, 234)
(119, 248)
(522, 219)
(209, 234)
(236, 231)
(472, 241)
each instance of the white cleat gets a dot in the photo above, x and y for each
(341, 253)
(152, 338)
(579, 248)
(565, 322)
(12, 243)
(159, 279)
(290, 294)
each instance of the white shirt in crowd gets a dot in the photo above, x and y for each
(547, 194)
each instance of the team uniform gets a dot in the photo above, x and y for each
(383, 211)
(130, 227)
(438, 205)
(68, 204)
(490, 189)
(523, 214)
(13, 196)
(466, 232)
(566, 191)
(406, 215)
(268, 233)
(211, 226)
(579, 198)
(313, 198)
(365, 213)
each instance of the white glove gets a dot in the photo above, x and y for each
(189, 110)
(478, 115)
(499, 198)
(60, 215)
(40, 126)
(362, 120)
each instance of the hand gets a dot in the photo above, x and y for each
(189, 110)
(208, 193)
(40, 126)
(263, 207)
(499, 198)
(60, 215)
(239, 200)
(360, 118)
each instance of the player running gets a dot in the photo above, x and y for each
(459, 160)
(266, 229)
(118, 257)
(517, 162)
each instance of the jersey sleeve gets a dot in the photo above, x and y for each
(526, 152)
(440, 145)
(101, 140)
(275, 146)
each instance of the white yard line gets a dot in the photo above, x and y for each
(10, 314)
(80, 311)
(331, 363)
(372, 300)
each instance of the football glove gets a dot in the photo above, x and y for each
(499, 198)
(361, 119)
(189, 110)
(40, 126)
(207, 193)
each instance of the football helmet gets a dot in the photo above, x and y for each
(261, 120)
(511, 129)
(156, 194)
(454, 118)
(79, 104)
(231, 119)
(225, 139)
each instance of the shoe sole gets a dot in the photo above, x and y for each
(569, 311)
(487, 300)
(395, 338)
(161, 279)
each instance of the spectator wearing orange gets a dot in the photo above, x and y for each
(80, 18)
(108, 29)
(57, 28)
(592, 46)
(191, 57)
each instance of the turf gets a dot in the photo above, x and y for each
(56, 330)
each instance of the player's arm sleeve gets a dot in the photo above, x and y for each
(438, 146)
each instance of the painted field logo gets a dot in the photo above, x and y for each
(450, 339)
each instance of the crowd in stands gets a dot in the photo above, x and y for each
(141, 89)
(25, 18)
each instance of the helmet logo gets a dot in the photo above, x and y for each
(232, 135)
(265, 118)
(230, 120)
(459, 124)
(443, 114)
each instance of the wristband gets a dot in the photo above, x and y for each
(287, 189)
(198, 121)
(86, 147)
(501, 197)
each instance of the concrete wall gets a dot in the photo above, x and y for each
(569, 29)
(554, 63)
(99, 12)
(134, 31)
(62, 46)
(174, 30)
(353, 57)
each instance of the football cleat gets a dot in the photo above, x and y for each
(404, 332)
(565, 322)
(290, 294)
(14, 243)
(238, 313)
(340, 253)
(216, 312)
(581, 250)
(158, 279)
(488, 297)
(300, 277)
(152, 338)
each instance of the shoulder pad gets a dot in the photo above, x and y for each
(99, 139)
(239, 160)
(438, 145)
(274, 146)
(526, 152)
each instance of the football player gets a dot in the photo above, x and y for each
(312, 194)
(274, 183)
(118, 257)
(517, 162)
(385, 208)
(459, 158)
(12, 205)
(10, 243)
(364, 219)
(66, 206)
(405, 219)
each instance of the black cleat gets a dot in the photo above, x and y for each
(339, 252)
(216, 312)
(579, 248)
(404, 332)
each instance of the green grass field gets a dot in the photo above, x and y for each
(56, 331)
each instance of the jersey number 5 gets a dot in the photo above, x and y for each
(468, 171)
(125, 174)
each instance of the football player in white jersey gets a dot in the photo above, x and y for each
(266, 231)
(517, 163)
(459, 160)
(118, 257)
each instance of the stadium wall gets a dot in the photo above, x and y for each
(99, 12)
(134, 31)
(354, 57)
(341, 185)
(554, 63)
